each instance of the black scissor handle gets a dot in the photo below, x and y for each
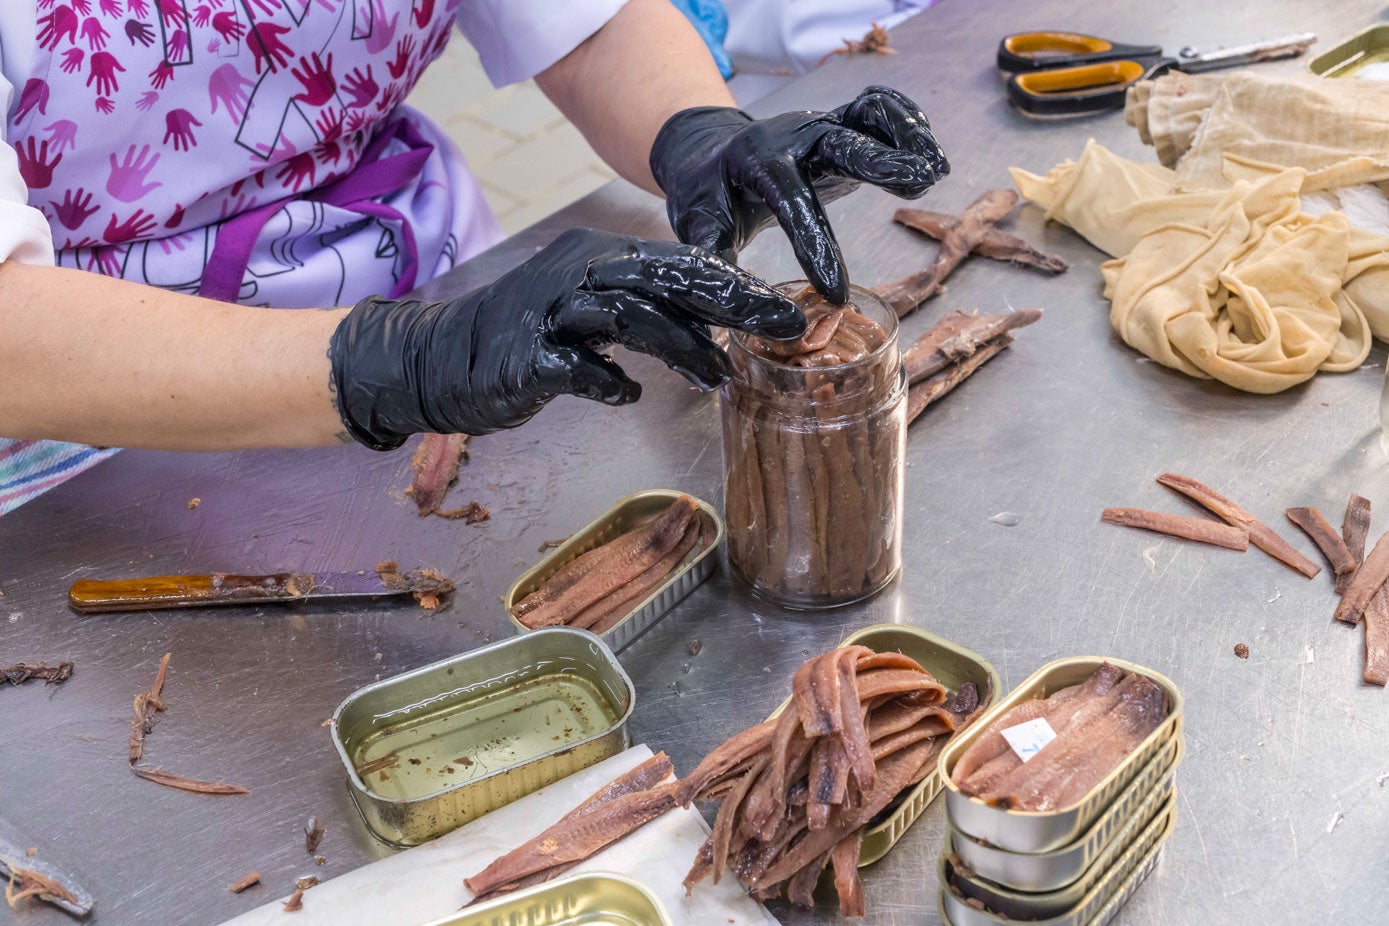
(1024, 52)
(1076, 91)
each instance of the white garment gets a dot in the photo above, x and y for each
(784, 37)
(516, 40)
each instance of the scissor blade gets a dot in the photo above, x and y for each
(1194, 61)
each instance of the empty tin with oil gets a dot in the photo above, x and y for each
(630, 512)
(594, 899)
(1104, 899)
(432, 749)
(1041, 831)
(1084, 860)
(951, 665)
(1364, 55)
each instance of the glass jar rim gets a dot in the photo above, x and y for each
(855, 292)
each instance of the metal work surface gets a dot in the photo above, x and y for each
(1067, 421)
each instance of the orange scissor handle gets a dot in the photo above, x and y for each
(1024, 52)
(1090, 88)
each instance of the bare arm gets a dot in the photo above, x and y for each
(622, 84)
(100, 361)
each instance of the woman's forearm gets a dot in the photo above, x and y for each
(622, 84)
(96, 360)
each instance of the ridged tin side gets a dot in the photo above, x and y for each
(1104, 899)
(952, 665)
(1026, 905)
(489, 670)
(576, 900)
(1041, 831)
(1075, 865)
(616, 521)
(1368, 46)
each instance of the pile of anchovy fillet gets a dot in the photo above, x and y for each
(796, 792)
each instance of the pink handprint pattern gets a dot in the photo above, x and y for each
(300, 86)
(34, 164)
(75, 208)
(127, 180)
(178, 125)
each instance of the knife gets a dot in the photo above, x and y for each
(92, 596)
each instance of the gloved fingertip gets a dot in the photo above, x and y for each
(831, 282)
(624, 394)
(777, 318)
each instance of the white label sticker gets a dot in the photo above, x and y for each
(1027, 739)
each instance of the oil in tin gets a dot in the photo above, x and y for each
(468, 733)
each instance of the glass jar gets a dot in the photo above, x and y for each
(813, 465)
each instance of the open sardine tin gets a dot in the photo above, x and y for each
(1041, 831)
(1363, 56)
(628, 513)
(951, 665)
(437, 747)
(1099, 906)
(577, 900)
(1065, 874)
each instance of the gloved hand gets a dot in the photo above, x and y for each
(492, 358)
(727, 175)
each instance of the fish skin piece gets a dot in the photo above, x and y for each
(1355, 527)
(606, 613)
(996, 244)
(1377, 638)
(958, 336)
(847, 882)
(435, 463)
(991, 744)
(1068, 767)
(1260, 534)
(1319, 531)
(1366, 583)
(1229, 536)
(576, 838)
(170, 780)
(724, 757)
(626, 560)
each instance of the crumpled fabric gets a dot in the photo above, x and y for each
(1217, 128)
(1237, 284)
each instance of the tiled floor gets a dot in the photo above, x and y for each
(528, 157)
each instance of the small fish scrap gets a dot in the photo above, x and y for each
(436, 462)
(1097, 724)
(953, 349)
(243, 882)
(21, 672)
(875, 41)
(430, 587)
(148, 703)
(24, 883)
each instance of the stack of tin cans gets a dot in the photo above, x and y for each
(1074, 866)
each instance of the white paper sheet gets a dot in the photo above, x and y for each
(426, 883)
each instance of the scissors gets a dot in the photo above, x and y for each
(1070, 74)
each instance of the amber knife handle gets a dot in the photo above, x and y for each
(93, 596)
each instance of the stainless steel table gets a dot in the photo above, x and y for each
(1066, 422)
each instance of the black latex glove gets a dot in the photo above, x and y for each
(727, 175)
(491, 359)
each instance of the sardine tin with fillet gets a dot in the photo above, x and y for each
(1080, 862)
(950, 664)
(1040, 831)
(628, 513)
(488, 727)
(1097, 907)
(590, 899)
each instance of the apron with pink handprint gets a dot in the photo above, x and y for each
(254, 151)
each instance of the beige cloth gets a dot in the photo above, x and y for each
(1218, 128)
(1236, 284)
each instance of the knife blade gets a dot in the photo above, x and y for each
(94, 596)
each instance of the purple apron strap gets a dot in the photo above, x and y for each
(360, 190)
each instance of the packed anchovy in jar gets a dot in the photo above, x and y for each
(813, 435)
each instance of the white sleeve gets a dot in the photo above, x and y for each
(517, 39)
(24, 232)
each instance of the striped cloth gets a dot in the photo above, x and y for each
(28, 468)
